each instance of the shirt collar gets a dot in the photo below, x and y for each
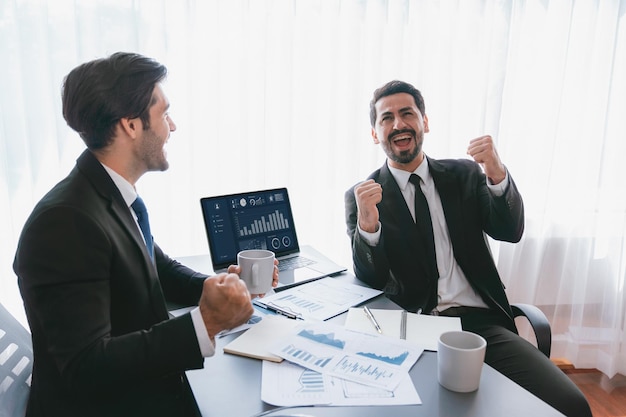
(129, 194)
(402, 177)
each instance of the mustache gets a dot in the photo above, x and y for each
(401, 132)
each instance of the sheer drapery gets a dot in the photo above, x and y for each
(275, 93)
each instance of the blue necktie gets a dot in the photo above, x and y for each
(142, 218)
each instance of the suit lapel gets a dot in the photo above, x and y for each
(398, 217)
(395, 203)
(105, 186)
(107, 189)
(450, 200)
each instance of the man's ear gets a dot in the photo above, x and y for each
(131, 127)
(375, 137)
(426, 128)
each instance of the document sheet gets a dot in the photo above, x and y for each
(317, 300)
(288, 384)
(371, 360)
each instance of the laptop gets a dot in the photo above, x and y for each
(261, 220)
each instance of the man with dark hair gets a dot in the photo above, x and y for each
(417, 227)
(94, 282)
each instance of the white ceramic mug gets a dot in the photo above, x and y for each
(257, 269)
(460, 360)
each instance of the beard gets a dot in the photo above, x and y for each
(407, 156)
(152, 152)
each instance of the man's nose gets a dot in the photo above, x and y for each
(399, 123)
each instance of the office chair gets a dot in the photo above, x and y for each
(16, 365)
(539, 323)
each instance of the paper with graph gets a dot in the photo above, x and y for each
(288, 384)
(317, 300)
(371, 360)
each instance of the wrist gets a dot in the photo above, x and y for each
(369, 228)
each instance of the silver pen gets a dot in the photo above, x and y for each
(370, 316)
(403, 325)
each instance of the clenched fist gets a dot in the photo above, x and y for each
(367, 195)
(225, 303)
(483, 150)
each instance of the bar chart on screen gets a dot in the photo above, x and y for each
(269, 222)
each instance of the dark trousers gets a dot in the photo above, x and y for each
(523, 363)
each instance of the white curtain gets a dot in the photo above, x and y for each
(276, 93)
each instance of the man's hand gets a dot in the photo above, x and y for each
(236, 269)
(367, 195)
(224, 303)
(484, 152)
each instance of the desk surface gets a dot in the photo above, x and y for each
(231, 385)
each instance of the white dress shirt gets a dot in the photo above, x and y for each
(453, 288)
(129, 194)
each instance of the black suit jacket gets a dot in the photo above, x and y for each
(103, 343)
(397, 263)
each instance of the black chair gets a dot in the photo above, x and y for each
(16, 365)
(539, 323)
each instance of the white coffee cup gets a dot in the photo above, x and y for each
(460, 360)
(257, 269)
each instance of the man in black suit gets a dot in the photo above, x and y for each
(426, 247)
(93, 281)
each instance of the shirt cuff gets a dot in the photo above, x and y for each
(207, 348)
(371, 239)
(499, 188)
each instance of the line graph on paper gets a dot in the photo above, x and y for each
(356, 369)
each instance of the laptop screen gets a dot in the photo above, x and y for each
(253, 220)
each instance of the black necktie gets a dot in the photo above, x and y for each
(142, 218)
(424, 222)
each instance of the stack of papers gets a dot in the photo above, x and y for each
(309, 361)
(329, 364)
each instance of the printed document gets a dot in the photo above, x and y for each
(371, 360)
(317, 300)
(288, 384)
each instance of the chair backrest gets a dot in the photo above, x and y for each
(16, 365)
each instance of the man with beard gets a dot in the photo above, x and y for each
(93, 280)
(418, 225)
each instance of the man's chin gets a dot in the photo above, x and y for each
(405, 157)
(163, 166)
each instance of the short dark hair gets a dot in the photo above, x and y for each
(395, 87)
(98, 93)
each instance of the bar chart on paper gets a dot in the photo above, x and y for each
(363, 370)
(318, 300)
(302, 355)
(288, 384)
(352, 356)
(304, 306)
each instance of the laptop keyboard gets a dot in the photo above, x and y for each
(294, 262)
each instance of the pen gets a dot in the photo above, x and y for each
(370, 316)
(403, 325)
(281, 312)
